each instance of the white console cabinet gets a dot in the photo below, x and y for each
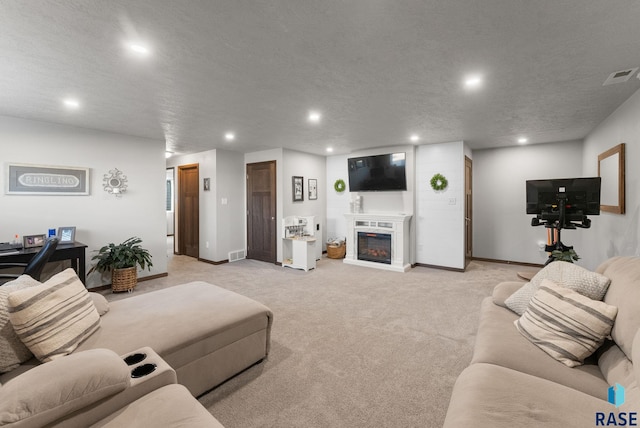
(299, 242)
(299, 253)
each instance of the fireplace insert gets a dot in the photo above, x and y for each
(374, 247)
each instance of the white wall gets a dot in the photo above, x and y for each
(99, 218)
(615, 234)
(207, 200)
(171, 213)
(440, 214)
(372, 202)
(501, 228)
(230, 203)
(221, 226)
(307, 166)
(337, 202)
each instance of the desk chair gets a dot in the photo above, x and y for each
(35, 266)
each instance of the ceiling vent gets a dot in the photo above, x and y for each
(620, 76)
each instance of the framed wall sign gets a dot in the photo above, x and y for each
(24, 179)
(298, 189)
(313, 189)
(66, 235)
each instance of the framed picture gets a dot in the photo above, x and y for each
(298, 189)
(30, 241)
(207, 184)
(23, 179)
(66, 235)
(313, 189)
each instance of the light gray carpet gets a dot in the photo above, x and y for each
(351, 346)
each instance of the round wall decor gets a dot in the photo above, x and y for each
(339, 185)
(439, 182)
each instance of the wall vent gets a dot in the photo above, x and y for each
(620, 76)
(234, 256)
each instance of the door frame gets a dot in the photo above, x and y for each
(179, 248)
(468, 211)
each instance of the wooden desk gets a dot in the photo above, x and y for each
(74, 252)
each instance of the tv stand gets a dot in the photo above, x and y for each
(559, 220)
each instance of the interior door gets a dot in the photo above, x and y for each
(468, 215)
(188, 210)
(261, 211)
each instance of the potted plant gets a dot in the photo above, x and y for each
(565, 255)
(122, 261)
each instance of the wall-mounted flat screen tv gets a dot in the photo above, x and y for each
(377, 173)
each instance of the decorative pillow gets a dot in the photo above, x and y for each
(52, 319)
(48, 392)
(565, 324)
(12, 350)
(589, 284)
(100, 302)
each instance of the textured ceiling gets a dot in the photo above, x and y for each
(378, 70)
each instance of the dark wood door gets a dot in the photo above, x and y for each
(468, 207)
(188, 210)
(261, 211)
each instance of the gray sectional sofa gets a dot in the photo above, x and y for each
(512, 382)
(197, 335)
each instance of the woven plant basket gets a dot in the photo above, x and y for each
(336, 251)
(123, 279)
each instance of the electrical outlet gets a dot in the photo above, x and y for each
(541, 245)
(452, 201)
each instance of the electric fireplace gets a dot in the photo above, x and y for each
(374, 247)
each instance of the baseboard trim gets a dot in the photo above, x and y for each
(150, 277)
(437, 267)
(507, 262)
(146, 278)
(211, 262)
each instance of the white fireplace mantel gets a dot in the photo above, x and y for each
(397, 225)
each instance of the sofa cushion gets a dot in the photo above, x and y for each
(12, 350)
(53, 318)
(52, 390)
(489, 396)
(100, 302)
(169, 406)
(188, 325)
(499, 342)
(624, 293)
(565, 324)
(590, 284)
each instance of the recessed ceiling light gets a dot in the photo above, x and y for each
(473, 81)
(329, 149)
(414, 138)
(71, 103)
(229, 136)
(139, 49)
(522, 140)
(314, 116)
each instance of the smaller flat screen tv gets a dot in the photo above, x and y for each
(581, 196)
(377, 173)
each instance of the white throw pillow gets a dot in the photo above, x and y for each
(565, 324)
(52, 319)
(12, 350)
(565, 274)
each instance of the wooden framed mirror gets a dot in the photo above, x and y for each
(611, 170)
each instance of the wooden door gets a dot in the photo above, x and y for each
(468, 207)
(188, 210)
(261, 211)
